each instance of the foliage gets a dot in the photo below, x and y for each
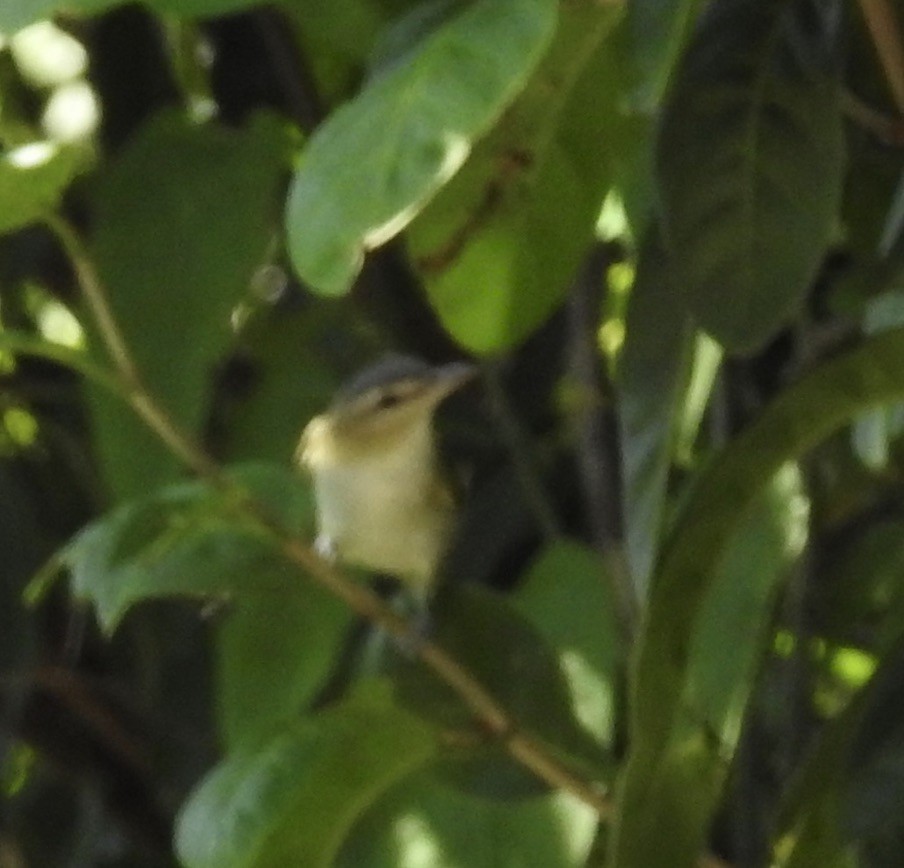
(672, 236)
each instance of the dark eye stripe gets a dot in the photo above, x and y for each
(387, 400)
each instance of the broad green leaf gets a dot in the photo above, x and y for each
(653, 375)
(186, 540)
(736, 612)
(739, 605)
(33, 179)
(293, 800)
(425, 822)
(751, 164)
(295, 354)
(566, 596)
(499, 246)
(275, 652)
(176, 267)
(801, 417)
(509, 656)
(377, 160)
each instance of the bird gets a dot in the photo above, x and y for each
(383, 500)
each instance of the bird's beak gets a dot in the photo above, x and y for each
(449, 378)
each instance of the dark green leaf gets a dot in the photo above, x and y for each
(275, 653)
(803, 416)
(186, 540)
(735, 613)
(506, 654)
(377, 161)
(751, 164)
(292, 801)
(33, 179)
(179, 264)
(655, 34)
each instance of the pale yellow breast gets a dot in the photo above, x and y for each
(386, 510)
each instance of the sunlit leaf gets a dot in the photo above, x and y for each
(499, 246)
(509, 656)
(424, 822)
(377, 160)
(293, 800)
(566, 595)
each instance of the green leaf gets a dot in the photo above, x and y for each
(424, 822)
(751, 164)
(566, 596)
(296, 354)
(275, 652)
(292, 801)
(736, 610)
(508, 656)
(653, 374)
(739, 605)
(186, 540)
(655, 35)
(377, 160)
(803, 416)
(499, 246)
(33, 179)
(175, 268)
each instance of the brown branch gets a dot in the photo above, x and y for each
(523, 748)
(886, 35)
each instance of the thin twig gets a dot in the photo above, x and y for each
(524, 749)
(886, 35)
(135, 391)
(597, 447)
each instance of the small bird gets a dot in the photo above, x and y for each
(382, 498)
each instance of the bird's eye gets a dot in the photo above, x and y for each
(387, 400)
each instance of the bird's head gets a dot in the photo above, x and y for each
(381, 409)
